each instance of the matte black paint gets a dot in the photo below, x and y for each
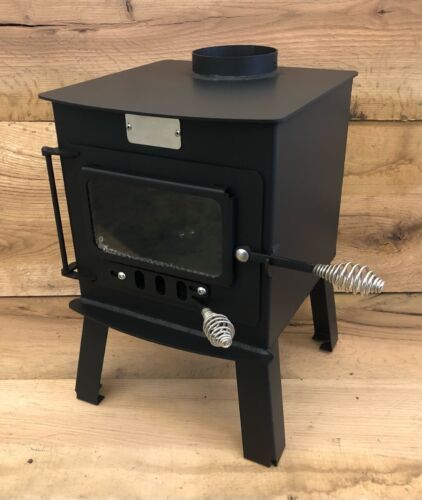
(166, 88)
(91, 358)
(324, 314)
(276, 146)
(235, 61)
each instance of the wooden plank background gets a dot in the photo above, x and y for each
(169, 425)
(381, 212)
(162, 432)
(180, 439)
(380, 339)
(47, 43)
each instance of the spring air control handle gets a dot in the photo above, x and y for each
(218, 329)
(347, 277)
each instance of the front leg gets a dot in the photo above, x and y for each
(261, 409)
(324, 315)
(91, 357)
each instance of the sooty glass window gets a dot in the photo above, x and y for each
(153, 223)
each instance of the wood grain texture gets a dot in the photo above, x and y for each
(381, 221)
(383, 159)
(384, 232)
(47, 44)
(380, 338)
(181, 439)
(29, 252)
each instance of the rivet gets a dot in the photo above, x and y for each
(177, 133)
(121, 275)
(201, 290)
(242, 255)
(129, 126)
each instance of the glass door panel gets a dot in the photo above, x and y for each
(160, 223)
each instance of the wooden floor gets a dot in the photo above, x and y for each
(169, 425)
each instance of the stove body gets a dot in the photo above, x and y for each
(163, 184)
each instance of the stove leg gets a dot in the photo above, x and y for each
(91, 357)
(261, 409)
(324, 315)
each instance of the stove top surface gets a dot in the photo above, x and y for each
(169, 88)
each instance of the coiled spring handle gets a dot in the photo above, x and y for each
(350, 277)
(346, 277)
(218, 329)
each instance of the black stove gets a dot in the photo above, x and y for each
(201, 197)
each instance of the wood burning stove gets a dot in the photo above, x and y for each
(199, 195)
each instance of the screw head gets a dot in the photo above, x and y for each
(121, 275)
(177, 133)
(129, 126)
(242, 255)
(201, 290)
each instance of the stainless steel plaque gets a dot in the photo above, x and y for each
(154, 131)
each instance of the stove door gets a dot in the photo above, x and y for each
(169, 226)
(177, 228)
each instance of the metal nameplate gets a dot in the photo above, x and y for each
(153, 131)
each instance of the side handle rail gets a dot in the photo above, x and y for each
(69, 270)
